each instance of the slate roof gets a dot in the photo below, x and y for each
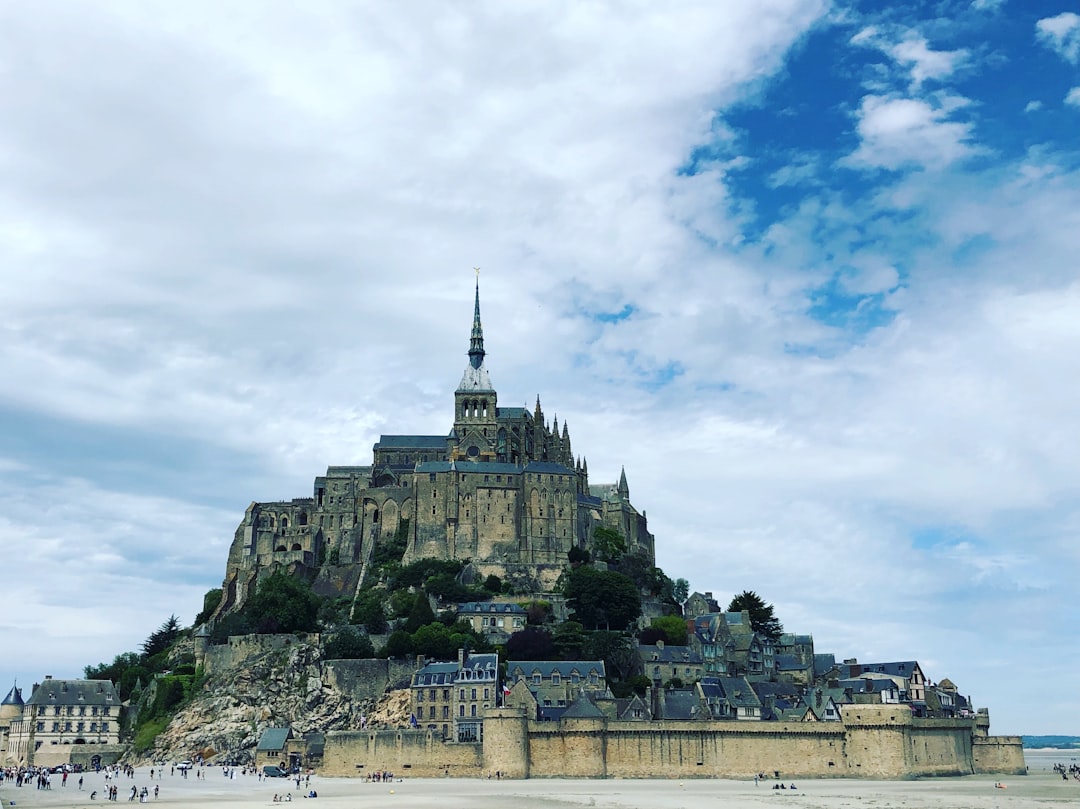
(548, 467)
(565, 668)
(736, 690)
(273, 739)
(789, 663)
(899, 668)
(669, 654)
(74, 692)
(411, 442)
(346, 471)
(582, 708)
(510, 412)
(489, 608)
(14, 697)
(469, 467)
(822, 663)
(436, 674)
(680, 703)
(487, 662)
(779, 690)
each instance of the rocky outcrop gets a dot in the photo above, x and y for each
(275, 687)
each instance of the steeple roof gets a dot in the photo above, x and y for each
(14, 697)
(476, 376)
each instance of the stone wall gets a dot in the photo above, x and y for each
(1002, 755)
(367, 679)
(875, 741)
(416, 753)
(219, 658)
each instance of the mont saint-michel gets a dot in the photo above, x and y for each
(471, 604)
(502, 489)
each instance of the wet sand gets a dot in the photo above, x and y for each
(1041, 788)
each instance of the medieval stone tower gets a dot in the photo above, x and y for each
(502, 490)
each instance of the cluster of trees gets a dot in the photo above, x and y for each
(174, 676)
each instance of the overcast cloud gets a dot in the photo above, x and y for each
(808, 270)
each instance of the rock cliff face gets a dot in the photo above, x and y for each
(271, 688)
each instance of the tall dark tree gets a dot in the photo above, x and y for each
(420, 615)
(602, 599)
(162, 638)
(531, 643)
(762, 618)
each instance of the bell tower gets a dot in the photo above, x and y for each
(475, 400)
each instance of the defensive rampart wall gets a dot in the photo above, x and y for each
(874, 741)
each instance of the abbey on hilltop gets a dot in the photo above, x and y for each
(502, 490)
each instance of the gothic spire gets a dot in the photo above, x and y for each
(476, 342)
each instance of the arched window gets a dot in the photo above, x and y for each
(303, 518)
(296, 546)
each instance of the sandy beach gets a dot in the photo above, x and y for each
(1041, 787)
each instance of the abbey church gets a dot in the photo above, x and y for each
(502, 490)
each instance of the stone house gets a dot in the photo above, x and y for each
(729, 698)
(494, 621)
(64, 712)
(452, 697)
(553, 685)
(662, 663)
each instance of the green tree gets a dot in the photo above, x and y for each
(602, 599)
(370, 611)
(421, 614)
(493, 584)
(348, 643)
(680, 591)
(283, 603)
(113, 671)
(570, 640)
(162, 638)
(608, 544)
(578, 556)
(398, 645)
(616, 650)
(530, 643)
(210, 602)
(762, 618)
(673, 629)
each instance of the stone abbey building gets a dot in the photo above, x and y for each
(502, 490)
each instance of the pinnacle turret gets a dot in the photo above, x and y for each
(476, 341)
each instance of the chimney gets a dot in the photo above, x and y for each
(461, 657)
(708, 594)
(420, 661)
(659, 644)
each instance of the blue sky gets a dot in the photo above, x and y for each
(808, 270)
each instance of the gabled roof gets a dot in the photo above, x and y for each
(274, 739)
(545, 668)
(513, 413)
(790, 663)
(411, 442)
(547, 467)
(489, 608)
(899, 668)
(736, 690)
(470, 467)
(488, 661)
(583, 708)
(683, 655)
(436, 674)
(680, 703)
(74, 692)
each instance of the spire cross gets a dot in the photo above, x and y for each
(477, 271)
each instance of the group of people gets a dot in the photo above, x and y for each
(380, 776)
(1072, 771)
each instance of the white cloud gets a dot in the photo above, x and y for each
(1061, 34)
(925, 63)
(987, 5)
(895, 132)
(1033, 106)
(213, 293)
(1072, 98)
